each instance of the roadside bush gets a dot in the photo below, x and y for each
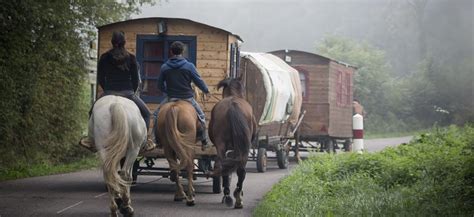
(430, 176)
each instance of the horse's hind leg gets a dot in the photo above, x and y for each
(227, 199)
(174, 174)
(113, 203)
(190, 196)
(238, 193)
(126, 208)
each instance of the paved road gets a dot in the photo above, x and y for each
(83, 193)
(373, 145)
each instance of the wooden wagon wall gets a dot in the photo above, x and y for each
(324, 115)
(212, 52)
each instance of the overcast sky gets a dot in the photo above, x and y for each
(267, 25)
(389, 25)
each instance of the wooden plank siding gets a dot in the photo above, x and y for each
(324, 116)
(212, 48)
(340, 114)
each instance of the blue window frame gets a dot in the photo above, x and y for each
(152, 52)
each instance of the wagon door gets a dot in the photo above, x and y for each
(152, 52)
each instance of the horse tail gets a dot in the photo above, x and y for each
(240, 138)
(176, 139)
(115, 147)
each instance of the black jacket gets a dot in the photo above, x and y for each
(112, 77)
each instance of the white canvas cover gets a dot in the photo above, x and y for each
(282, 92)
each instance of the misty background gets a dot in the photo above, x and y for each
(415, 60)
(414, 57)
(391, 25)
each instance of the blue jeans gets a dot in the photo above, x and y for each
(200, 113)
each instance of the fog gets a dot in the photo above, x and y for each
(390, 25)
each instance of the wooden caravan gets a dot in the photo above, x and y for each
(214, 51)
(327, 88)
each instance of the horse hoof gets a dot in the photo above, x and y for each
(227, 200)
(178, 199)
(114, 214)
(126, 211)
(190, 203)
(238, 206)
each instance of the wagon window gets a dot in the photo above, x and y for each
(339, 89)
(153, 49)
(348, 88)
(152, 52)
(343, 89)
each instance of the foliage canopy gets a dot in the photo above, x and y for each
(43, 86)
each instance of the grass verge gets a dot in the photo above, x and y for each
(23, 170)
(431, 176)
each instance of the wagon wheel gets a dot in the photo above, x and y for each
(297, 146)
(329, 145)
(262, 160)
(216, 185)
(282, 158)
(347, 145)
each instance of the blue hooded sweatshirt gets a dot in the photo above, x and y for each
(176, 76)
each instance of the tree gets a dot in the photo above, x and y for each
(42, 73)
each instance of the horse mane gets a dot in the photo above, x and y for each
(231, 87)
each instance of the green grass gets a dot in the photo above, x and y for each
(369, 135)
(41, 169)
(431, 176)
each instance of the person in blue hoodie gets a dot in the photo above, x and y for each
(176, 76)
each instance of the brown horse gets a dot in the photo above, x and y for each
(232, 130)
(177, 125)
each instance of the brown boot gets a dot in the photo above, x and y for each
(86, 143)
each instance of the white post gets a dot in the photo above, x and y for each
(358, 133)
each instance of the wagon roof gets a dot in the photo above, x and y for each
(173, 18)
(317, 55)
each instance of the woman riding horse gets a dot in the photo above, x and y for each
(232, 129)
(117, 74)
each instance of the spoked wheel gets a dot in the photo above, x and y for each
(262, 160)
(347, 145)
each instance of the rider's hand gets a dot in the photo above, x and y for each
(208, 96)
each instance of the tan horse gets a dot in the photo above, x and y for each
(177, 126)
(118, 131)
(232, 129)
